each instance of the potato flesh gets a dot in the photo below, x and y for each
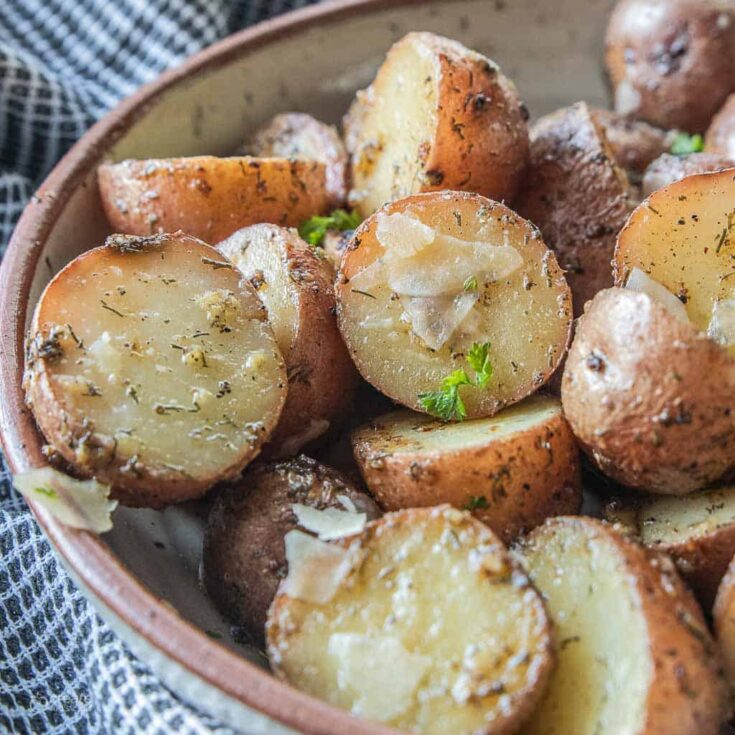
(525, 316)
(179, 366)
(401, 108)
(683, 237)
(413, 433)
(600, 683)
(412, 592)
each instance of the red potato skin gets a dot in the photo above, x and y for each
(720, 137)
(667, 169)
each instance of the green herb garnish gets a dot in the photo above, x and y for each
(315, 228)
(470, 284)
(49, 492)
(476, 502)
(213, 634)
(446, 403)
(684, 144)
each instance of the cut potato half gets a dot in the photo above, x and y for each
(298, 135)
(210, 197)
(428, 277)
(295, 285)
(724, 625)
(650, 399)
(151, 367)
(634, 653)
(683, 237)
(697, 531)
(512, 470)
(667, 169)
(393, 642)
(437, 116)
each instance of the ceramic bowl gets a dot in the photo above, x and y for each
(143, 575)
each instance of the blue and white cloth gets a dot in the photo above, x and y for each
(63, 64)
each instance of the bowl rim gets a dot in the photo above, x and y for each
(91, 560)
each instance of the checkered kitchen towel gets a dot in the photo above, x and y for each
(64, 63)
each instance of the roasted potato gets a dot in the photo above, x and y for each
(295, 284)
(650, 398)
(151, 366)
(512, 470)
(210, 197)
(437, 116)
(667, 169)
(244, 557)
(634, 143)
(295, 135)
(683, 238)
(577, 195)
(696, 531)
(672, 62)
(634, 653)
(378, 624)
(724, 624)
(429, 277)
(334, 245)
(720, 137)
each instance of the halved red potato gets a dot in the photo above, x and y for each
(151, 366)
(209, 197)
(723, 614)
(300, 136)
(295, 284)
(667, 169)
(429, 276)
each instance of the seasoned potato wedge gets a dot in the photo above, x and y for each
(512, 470)
(210, 197)
(683, 238)
(697, 531)
(577, 195)
(298, 135)
(651, 399)
(429, 276)
(437, 116)
(671, 61)
(634, 653)
(391, 639)
(244, 557)
(151, 366)
(295, 285)
(724, 624)
(667, 169)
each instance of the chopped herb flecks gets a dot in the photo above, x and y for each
(315, 228)
(684, 144)
(476, 502)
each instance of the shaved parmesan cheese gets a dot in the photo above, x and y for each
(81, 504)
(643, 283)
(294, 443)
(404, 235)
(436, 319)
(347, 503)
(107, 357)
(330, 523)
(722, 323)
(378, 672)
(315, 568)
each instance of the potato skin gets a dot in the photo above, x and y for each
(321, 376)
(720, 137)
(244, 556)
(723, 614)
(209, 197)
(577, 195)
(671, 62)
(525, 477)
(649, 398)
(687, 692)
(298, 135)
(667, 169)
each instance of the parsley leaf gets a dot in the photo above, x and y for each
(315, 228)
(446, 403)
(49, 492)
(476, 502)
(470, 284)
(684, 144)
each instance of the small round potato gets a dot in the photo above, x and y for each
(512, 470)
(672, 62)
(244, 557)
(151, 366)
(667, 169)
(650, 398)
(724, 623)
(577, 195)
(300, 136)
(210, 198)
(295, 284)
(334, 245)
(437, 116)
(720, 136)
(431, 627)
(428, 277)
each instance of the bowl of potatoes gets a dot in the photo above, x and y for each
(374, 371)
